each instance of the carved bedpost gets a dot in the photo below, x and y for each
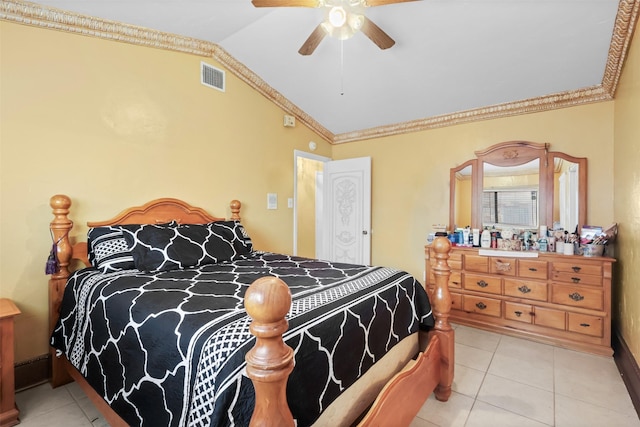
(235, 209)
(270, 361)
(441, 309)
(60, 228)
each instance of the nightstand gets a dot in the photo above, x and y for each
(8, 410)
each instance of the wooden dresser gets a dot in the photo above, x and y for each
(563, 300)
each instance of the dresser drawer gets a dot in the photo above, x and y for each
(593, 269)
(518, 312)
(583, 279)
(577, 296)
(502, 266)
(487, 306)
(476, 263)
(550, 318)
(585, 324)
(480, 283)
(456, 301)
(526, 289)
(454, 261)
(455, 279)
(532, 269)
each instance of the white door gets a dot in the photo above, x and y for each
(346, 225)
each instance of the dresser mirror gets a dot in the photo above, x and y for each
(519, 185)
(461, 208)
(569, 178)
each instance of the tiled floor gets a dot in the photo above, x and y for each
(499, 381)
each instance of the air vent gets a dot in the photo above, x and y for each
(211, 76)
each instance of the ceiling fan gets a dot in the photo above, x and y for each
(343, 19)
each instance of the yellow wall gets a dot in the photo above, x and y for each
(626, 189)
(115, 125)
(410, 172)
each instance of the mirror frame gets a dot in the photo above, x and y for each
(515, 153)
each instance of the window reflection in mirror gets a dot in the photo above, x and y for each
(566, 195)
(462, 204)
(510, 195)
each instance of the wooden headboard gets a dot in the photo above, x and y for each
(154, 212)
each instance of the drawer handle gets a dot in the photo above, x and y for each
(585, 325)
(576, 296)
(481, 305)
(575, 279)
(482, 284)
(533, 269)
(575, 268)
(524, 289)
(456, 283)
(503, 266)
(518, 313)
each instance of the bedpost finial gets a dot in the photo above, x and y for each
(441, 245)
(60, 201)
(267, 300)
(235, 209)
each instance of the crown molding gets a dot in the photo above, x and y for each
(28, 13)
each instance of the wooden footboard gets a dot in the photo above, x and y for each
(270, 361)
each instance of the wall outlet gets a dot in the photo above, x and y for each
(290, 202)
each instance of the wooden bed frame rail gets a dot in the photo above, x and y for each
(268, 301)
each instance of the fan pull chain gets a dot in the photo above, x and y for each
(341, 67)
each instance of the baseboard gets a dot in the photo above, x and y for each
(32, 372)
(628, 367)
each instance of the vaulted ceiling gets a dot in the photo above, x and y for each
(453, 60)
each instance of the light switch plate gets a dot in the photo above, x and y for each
(272, 201)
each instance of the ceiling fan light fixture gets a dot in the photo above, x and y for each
(337, 16)
(343, 18)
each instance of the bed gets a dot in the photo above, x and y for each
(228, 335)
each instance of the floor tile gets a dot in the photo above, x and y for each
(453, 413)
(472, 357)
(69, 415)
(576, 413)
(467, 381)
(41, 400)
(525, 349)
(485, 415)
(590, 378)
(533, 371)
(484, 340)
(522, 399)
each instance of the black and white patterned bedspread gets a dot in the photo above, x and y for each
(168, 348)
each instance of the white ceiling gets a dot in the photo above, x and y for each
(450, 55)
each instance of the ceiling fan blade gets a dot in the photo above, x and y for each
(286, 3)
(313, 41)
(375, 33)
(371, 3)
